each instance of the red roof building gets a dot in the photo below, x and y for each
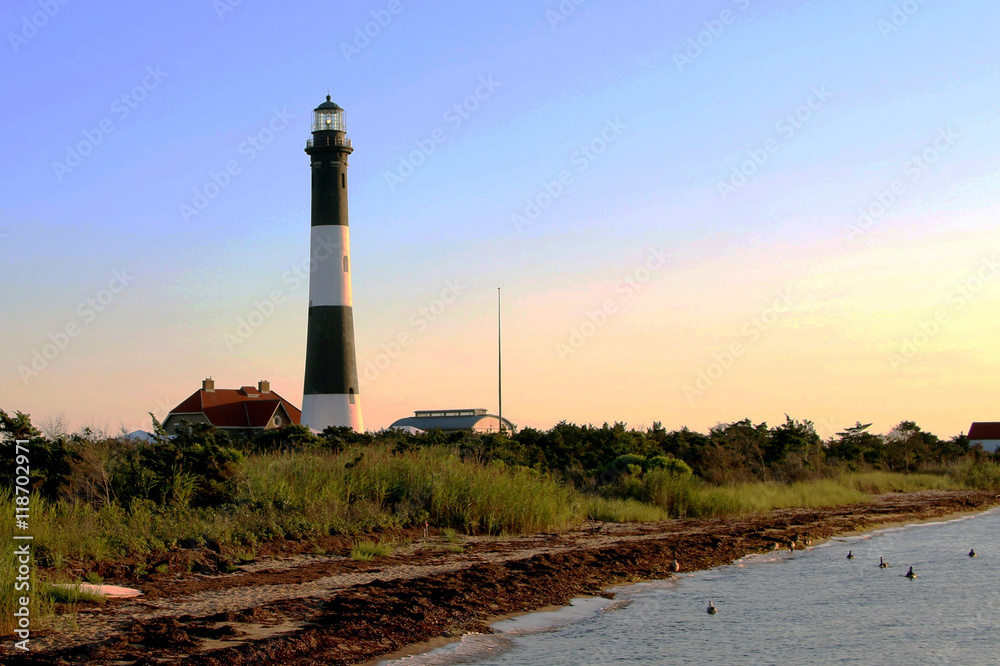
(245, 411)
(987, 434)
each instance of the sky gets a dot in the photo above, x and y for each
(696, 212)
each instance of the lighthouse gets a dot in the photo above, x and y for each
(330, 396)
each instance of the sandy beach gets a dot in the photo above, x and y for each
(287, 608)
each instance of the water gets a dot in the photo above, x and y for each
(814, 607)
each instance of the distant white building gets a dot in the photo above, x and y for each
(447, 420)
(987, 434)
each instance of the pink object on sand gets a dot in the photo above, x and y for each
(106, 590)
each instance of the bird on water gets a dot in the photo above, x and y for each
(910, 574)
(675, 566)
(712, 610)
(850, 555)
(882, 564)
(972, 553)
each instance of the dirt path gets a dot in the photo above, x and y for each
(310, 609)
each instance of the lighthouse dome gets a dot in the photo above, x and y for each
(328, 105)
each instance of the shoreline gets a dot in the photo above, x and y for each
(426, 647)
(342, 612)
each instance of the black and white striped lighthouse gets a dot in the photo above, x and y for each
(331, 395)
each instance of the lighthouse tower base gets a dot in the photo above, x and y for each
(321, 409)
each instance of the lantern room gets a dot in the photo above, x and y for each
(328, 117)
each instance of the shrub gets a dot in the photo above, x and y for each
(49, 461)
(981, 476)
(669, 464)
(198, 466)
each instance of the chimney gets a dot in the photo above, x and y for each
(264, 386)
(208, 385)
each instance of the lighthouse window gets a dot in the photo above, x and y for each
(343, 180)
(346, 267)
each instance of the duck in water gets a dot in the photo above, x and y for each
(972, 553)
(910, 574)
(850, 555)
(712, 610)
(882, 564)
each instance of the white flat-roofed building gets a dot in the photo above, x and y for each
(476, 420)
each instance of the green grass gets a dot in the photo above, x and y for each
(304, 495)
(71, 595)
(622, 511)
(383, 490)
(365, 551)
(686, 496)
(893, 482)
(244, 555)
(750, 498)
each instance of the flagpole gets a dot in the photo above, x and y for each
(499, 364)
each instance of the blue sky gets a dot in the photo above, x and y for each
(187, 87)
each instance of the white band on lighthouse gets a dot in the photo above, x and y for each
(332, 408)
(330, 278)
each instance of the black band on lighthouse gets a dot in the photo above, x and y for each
(329, 186)
(330, 359)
